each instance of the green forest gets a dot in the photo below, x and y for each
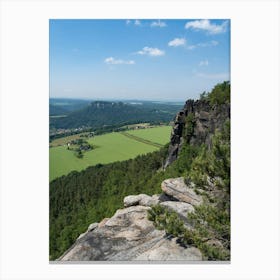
(81, 198)
(101, 114)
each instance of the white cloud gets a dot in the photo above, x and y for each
(151, 51)
(177, 42)
(208, 44)
(137, 22)
(206, 25)
(203, 45)
(111, 60)
(158, 24)
(204, 62)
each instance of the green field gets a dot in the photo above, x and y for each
(159, 134)
(108, 148)
(65, 140)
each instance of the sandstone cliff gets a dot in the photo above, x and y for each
(195, 124)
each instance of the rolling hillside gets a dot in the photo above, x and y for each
(102, 113)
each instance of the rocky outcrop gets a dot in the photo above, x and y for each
(205, 120)
(130, 236)
(179, 190)
(176, 139)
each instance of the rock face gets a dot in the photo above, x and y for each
(130, 236)
(206, 120)
(176, 139)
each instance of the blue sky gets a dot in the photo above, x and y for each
(138, 59)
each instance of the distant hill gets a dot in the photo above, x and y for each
(104, 113)
(63, 106)
(57, 110)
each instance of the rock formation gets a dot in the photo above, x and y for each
(130, 236)
(206, 119)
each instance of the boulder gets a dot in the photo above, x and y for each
(140, 199)
(177, 188)
(131, 200)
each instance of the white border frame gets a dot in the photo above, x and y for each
(24, 137)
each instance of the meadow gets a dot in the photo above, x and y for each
(160, 134)
(108, 148)
(64, 140)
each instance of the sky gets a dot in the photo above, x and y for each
(140, 59)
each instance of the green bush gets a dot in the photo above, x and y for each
(166, 220)
(207, 222)
(213, 163)
(189, 126)
(220, 94)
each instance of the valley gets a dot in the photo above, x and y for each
(180, 191)
(139, 140)
(107, 148)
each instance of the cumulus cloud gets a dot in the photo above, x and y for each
(177, 42)
(158, 24)
(151, 51)
(206, 25)
(137, 22)
(111, 60)
(204, 62)
(203, 45)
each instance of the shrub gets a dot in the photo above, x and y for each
(220, 94)
(207, 222)
(189, 126)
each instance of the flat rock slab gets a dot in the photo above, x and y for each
(128, 236)
(177, 188)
